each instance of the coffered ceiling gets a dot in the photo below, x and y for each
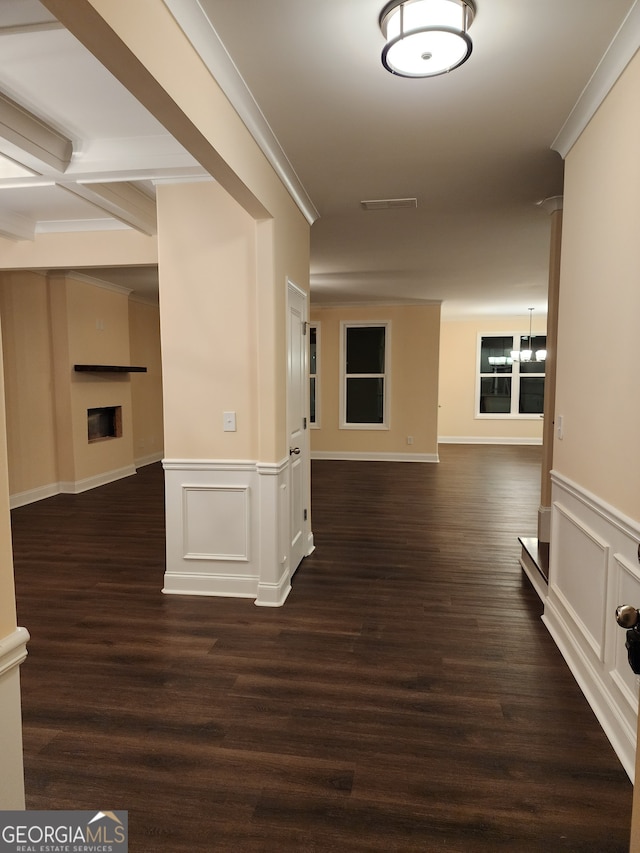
(473, 148)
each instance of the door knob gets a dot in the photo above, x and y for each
(294, 450)
(627, 616)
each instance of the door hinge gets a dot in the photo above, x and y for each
(304, 327)
(305, 515)
(304, 423)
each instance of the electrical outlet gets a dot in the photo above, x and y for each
(409, 439)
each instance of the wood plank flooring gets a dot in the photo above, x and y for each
(407, 697)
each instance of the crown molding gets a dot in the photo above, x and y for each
(618, 55)
(94, 282)
(193, 21)
(551, 204)
(376, 303)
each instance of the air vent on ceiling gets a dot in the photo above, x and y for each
(389, 203)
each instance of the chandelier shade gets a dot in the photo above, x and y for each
(425, 38)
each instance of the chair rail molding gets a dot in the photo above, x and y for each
(13, 651)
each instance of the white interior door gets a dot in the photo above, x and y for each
(297, 392)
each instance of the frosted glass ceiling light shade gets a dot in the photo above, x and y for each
(426, 37)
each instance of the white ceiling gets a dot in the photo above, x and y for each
(474, 146)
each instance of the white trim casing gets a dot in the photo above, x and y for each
(593, 567)
(356, 456)
(197, 27)
(619, 54)
(227, 529)
(13, 651)
(478, 439)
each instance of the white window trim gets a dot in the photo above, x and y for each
(348, 324)
(515, 379)
(316, 424)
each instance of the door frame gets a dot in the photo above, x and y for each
(304, 444)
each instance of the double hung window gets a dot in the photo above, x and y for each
(511, 376)
(365, 371)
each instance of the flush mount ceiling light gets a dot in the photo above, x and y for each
(426, 37)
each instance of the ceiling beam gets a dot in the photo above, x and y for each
(16, 227)
(29, 141)
(122, 200)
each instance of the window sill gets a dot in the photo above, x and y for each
(365, 426)
(496, 417)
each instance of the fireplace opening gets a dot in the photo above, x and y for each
(105, 422)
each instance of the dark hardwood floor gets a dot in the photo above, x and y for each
(407, 697)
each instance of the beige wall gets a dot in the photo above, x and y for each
(50, 324)
(146, 388)
(458, 365)
(188, 101)
(223, 318)
(75, 251)
(92, 329)
(26, 338)
(7, 594)
(413, 384)
(209, 322)
(597, 377)
(12, 776)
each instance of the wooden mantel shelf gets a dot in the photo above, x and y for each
(107, 368)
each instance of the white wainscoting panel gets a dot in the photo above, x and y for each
(227, 529)
(593, 567)
(580, 579)
(216, 522)
(626, 585)
(275, 534)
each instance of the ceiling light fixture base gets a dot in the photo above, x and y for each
(426, 38)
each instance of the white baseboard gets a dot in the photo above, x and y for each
(224, 586)
(475, 439)
(535, 578)
(274, 594)
(354, 456)
(79, 486)
(32, 496)
(620, 733)
(148, 460)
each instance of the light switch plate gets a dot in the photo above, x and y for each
(229, 421)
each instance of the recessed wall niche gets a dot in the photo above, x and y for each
(104, 422)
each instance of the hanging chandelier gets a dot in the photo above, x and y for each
(525, 355)
(426, 37)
